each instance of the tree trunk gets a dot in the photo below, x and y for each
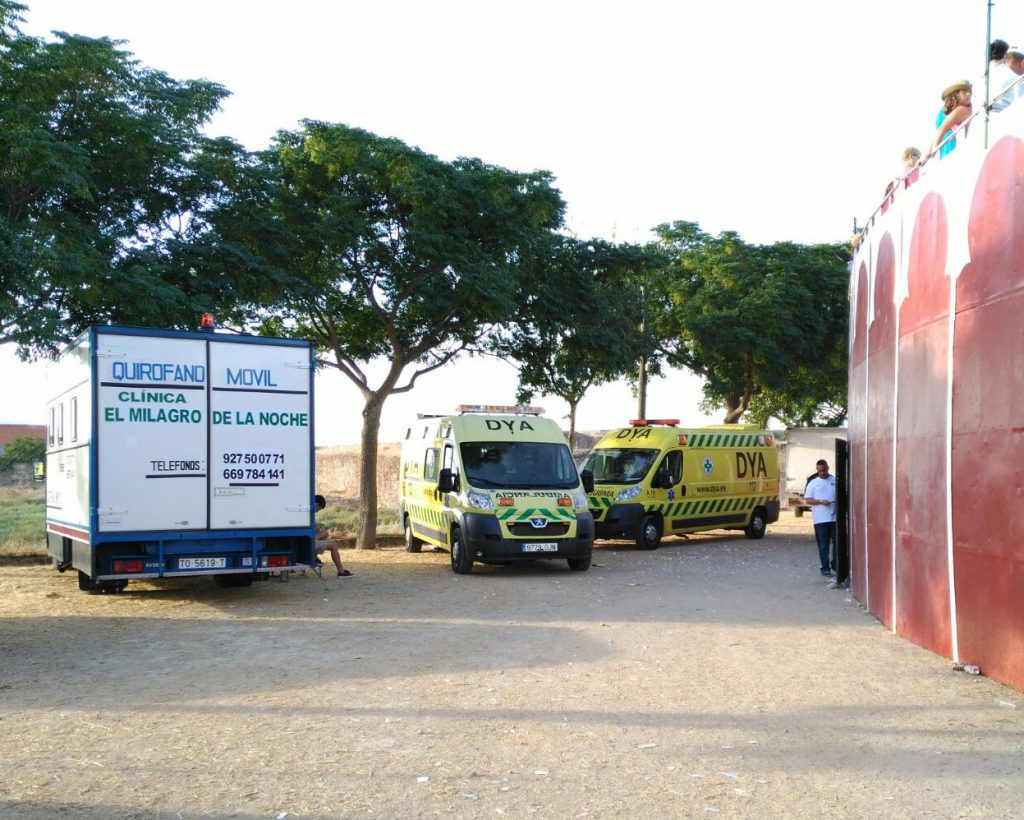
(641, 390)
(734, 408)
(572, 427)
(366, 530)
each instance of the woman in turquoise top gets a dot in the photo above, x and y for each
(956, 110)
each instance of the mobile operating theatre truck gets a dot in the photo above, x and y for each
(174, 453)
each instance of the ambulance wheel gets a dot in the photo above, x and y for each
(758, 524)
(650, 533)
(581, 564)
(412, 543)
(462, 561)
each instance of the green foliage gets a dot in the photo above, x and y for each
(24, 450)
(375, 249)
(105, 179)
(382, 250)
(766, 326)
(22, 522)
(581, 323)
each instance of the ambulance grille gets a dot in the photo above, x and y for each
(525, 528)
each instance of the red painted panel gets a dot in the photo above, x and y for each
(922, 565)
(988, 423)
(857, 443)
(881, 383)
(994, 233)
(858, 350)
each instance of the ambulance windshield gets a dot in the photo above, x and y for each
(522, 465)
(616, 465)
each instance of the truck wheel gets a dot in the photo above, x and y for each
(412, 543)
(462, 561)
(581, 564)
(798, 512)
(758, 524)
(650, 533)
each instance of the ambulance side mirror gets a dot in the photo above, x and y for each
(446, 480)
(662, 480)
(588, 481)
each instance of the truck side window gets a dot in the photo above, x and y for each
(60, 423)
(673, 464)
(53, 425)
(74, 418)
(430, 465)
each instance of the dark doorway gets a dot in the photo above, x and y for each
(842, 556)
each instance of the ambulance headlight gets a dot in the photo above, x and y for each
(579, 501)
(481, 501)
(629, 493)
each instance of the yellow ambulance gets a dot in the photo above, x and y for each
(653, 479)
(494, 484)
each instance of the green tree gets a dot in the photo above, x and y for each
(105, 179)
(764, 325)
(579, 325)
(387, 253)
(24, 450)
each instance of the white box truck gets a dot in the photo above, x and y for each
(804, 446)
(174, 453)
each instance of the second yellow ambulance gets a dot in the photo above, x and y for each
(653, 479)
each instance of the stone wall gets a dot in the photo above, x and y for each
(17, 475)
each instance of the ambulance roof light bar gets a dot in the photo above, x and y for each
(518, 409)
(649, 422)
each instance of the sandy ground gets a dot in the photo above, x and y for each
(713, 677)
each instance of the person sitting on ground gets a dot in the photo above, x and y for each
(956, 110)
(322, 543)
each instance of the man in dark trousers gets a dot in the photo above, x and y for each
(820, 496)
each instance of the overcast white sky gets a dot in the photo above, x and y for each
(781, 120)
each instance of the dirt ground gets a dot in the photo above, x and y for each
(713, 677)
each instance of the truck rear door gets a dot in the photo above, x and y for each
(261, 435)
(151, 433)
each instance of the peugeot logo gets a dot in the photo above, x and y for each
(538, 523)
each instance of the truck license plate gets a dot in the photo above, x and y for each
(546, 546)
(202, 563)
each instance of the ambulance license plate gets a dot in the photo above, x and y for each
(202, 563)
(543, 546)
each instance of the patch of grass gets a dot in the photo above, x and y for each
(22, 521)
(341, 516)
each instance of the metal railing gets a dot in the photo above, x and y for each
(1016, 90)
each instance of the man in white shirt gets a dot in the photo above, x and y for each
(988, 87)
(820, 496)
(1004, 83)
